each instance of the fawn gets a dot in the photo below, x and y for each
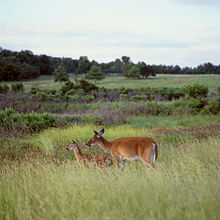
(99, 160)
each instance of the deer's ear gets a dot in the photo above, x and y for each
(102, 132)
(96, 133)
(74, 142)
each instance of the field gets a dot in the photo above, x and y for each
(161, 80)
(40, 179)
(51, 185)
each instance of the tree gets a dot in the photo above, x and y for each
(95, 73)
(146, 70)
(84, 65)
(134, 72)
(44, 64)
(60, 74)
(126, 65)
(116, 66)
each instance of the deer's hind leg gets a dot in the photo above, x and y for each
(146, 159)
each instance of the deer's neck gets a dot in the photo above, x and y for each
(105, 145)
(78, 154)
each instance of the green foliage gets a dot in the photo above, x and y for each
(123, 97)
(196, 91)
(138, 98)
(196, 105)
(185, 185)
(133, 72)
(60, 74)
(4, 89)
(213, 106)
(84, 65)
(218, 91)
(146, 70)
(17, 87)
(82, 84)
(88, 98)
(12, 121)
(95, 73)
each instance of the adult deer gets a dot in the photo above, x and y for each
(99, 160)
(130, 148)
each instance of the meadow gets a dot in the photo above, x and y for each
(47, 183)
(112, 82)
(40, 179)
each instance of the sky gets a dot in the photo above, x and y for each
(170, 32)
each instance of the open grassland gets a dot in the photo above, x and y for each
(161, 80)
(43, 181)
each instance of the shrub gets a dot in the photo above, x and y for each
(195, 91)
(17, 87)
(81, 85)
(213, 106)
(4, 89)
(95, 73)
(89, 98)
(123, 97)
(34, 90)
(138, 98)
(60, 74)
(196, 105)
(14, 122)
(218, 91)
(133, 72)
(74, 98)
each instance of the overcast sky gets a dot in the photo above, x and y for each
(183, 32)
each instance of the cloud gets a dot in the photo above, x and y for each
(193, 2)
(105, 46)
(206, 2)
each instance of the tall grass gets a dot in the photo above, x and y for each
(185, 185)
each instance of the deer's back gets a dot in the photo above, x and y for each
(131, 146)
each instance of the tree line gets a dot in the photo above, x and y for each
(23, 65)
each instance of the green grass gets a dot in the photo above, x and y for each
(161, 80)
(212, 81)
(51, 185)
(174, 122)
(185, 186)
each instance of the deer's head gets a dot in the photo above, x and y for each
(72, 146)
(96, 138)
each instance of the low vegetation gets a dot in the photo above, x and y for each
(40, 179)
(46, 183)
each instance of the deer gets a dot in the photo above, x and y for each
(144, 149)
(99, 160)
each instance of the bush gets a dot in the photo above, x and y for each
(213, 106)
(196, 105)
(34, 90)
(134, 72)
(89, 98)
(60, 74)
(17, 123)
(123, 97)
(82, 85)
(218, 91)
(95, 73)
(138, 98)
(4, 89)
(74, 98)
(195, 91)
(17, 87)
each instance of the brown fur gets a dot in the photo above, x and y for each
(128, 148)
(99, 160)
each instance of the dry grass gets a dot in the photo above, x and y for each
(45, 186)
